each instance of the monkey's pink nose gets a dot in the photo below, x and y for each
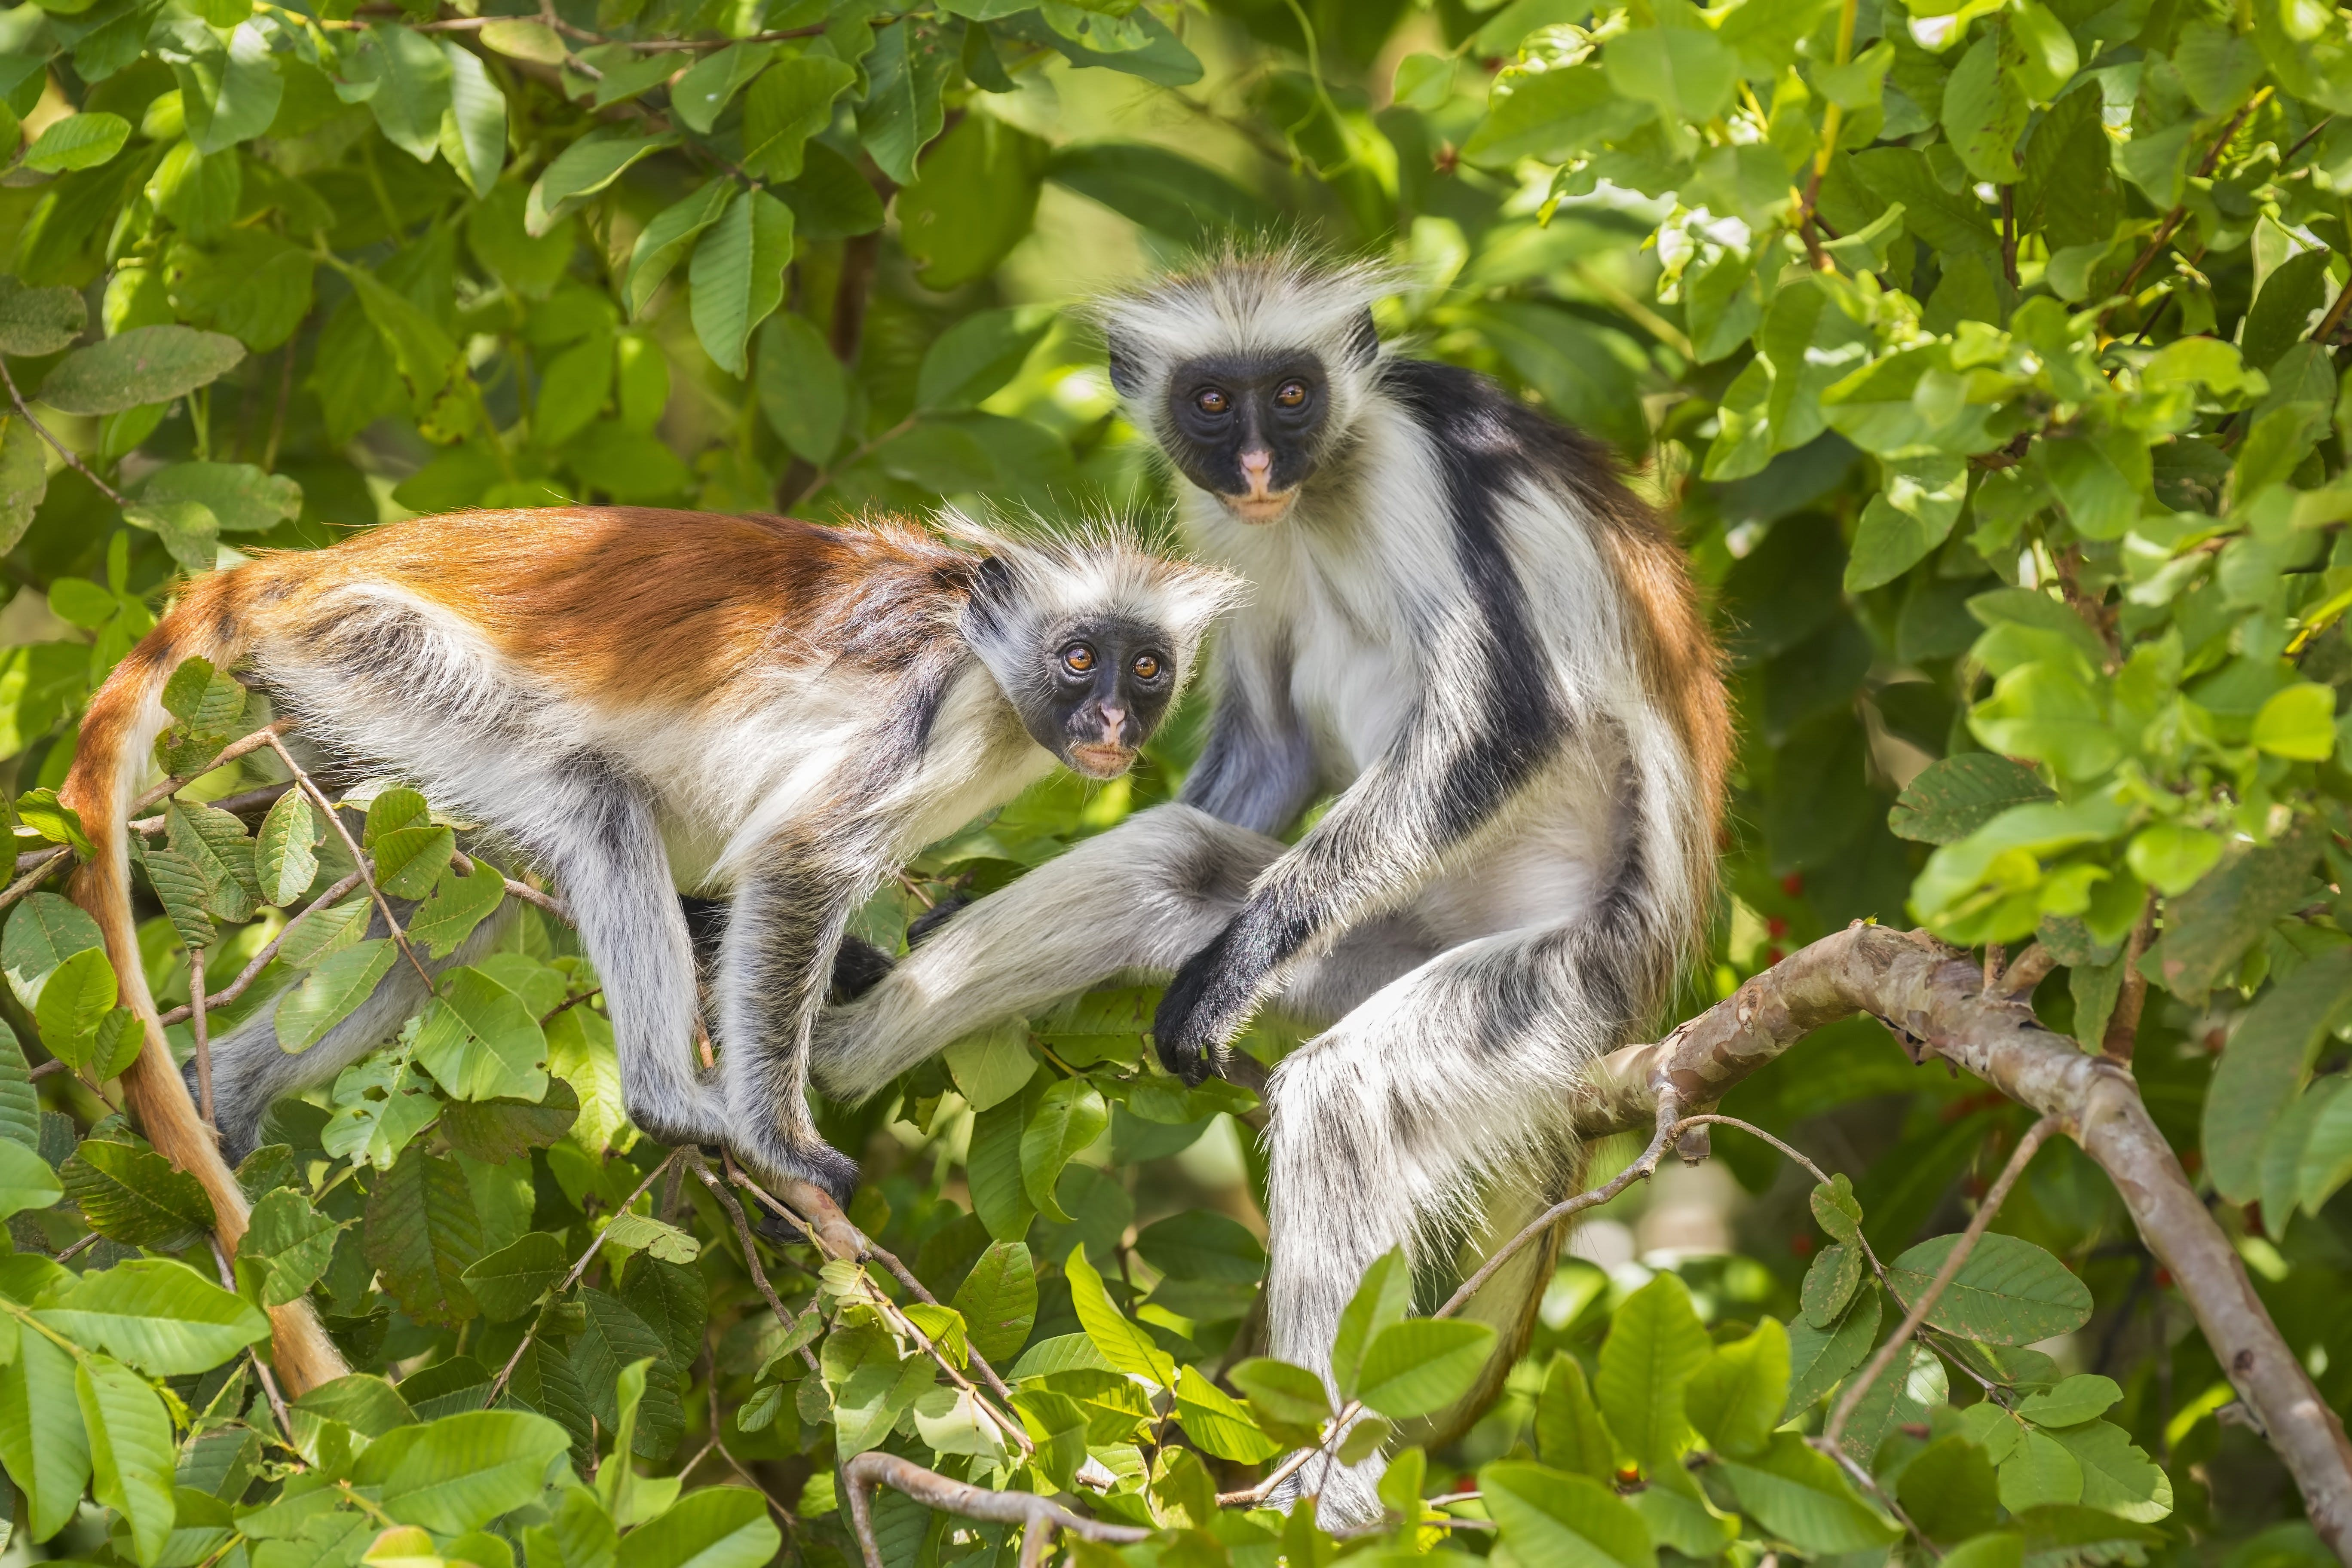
(1114, 721)
(1257, 468)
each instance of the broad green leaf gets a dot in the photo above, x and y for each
(1382, 1300)
(1800, 1495)
(902, 111)
(42, 932)
(805, 393)
(1201, 1244)
(999, 1301)
(161, 1316)
(333, 992)
(2039, 1472)
(131, 1450)
(23, 477)
(1735, 1396)
(133, 1196)
(1655, 1343)
(1687, 73)
(1831, 1282)
(581, 169)
(1126, 1346)
(1290, 1394)
(978, 355)
(2077, 1399)
(701, 95)
(790, 102)
(2297, 722)
(999, 1197)
(458, 905)
(462, 1471)
(974, 199)
(497, 1131)
(229, 92)
(283, 857)
(78, 994)
(1818, 1359)
(1553, 1518)
(26, 1180)
(1569, 1432)
(873, 1385)
(1071, 1116)
(2117, 1478)
(2270, 1056)
(2008, 1292)
(479, 1041)
(473, 136)
(410, 860)
(78, 141)
(2171, 857)
(411, 81)
(1217, 1424)
(289, 1245)
(422, 1234)
(1952, 798)
(43, 1440)
(1951, 1491)
(38, 320)
(663, 243)
(711, 1527)
(144, 364)
(1419, 1366)
(738, 276)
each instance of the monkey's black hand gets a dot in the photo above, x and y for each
(1204, 1008)
(858, 966)
(921, 929)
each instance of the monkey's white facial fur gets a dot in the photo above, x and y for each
(1249, 373)
(1091, 638)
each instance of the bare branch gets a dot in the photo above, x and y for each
(1037, 1515)
(235, 988)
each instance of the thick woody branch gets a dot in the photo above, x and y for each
(1038, 1516)
(1933, 998)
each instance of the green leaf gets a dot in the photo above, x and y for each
(1552, 1519)
(23, 477)
(976, 356)
(712, 1527)
(1953, 797)
(2297, 722)
(2117, 1478)
(78, 141)
(44, 932)
(662, 244)
(790, 103)
(218, 845)
(76, 997)
(997, 1299)
(131, 1450)
(1831, 1282)
(738, 276)
(38, 320)
(974, 199)
(702, 94)
(2171, 857)
(230, 94)
(1071, 1116)
(422, 1234)
(480, 1042)
(1569, 1432)
(998, 1197)
(1687, 73)
(1735, 1396)
(1818, 1359)
(1949, 1489)
(2207, 929)
(1655, 1343)
(331, 994)
(2008, 1292)
(1217, 1424)
(473, 135)
(805, 395)
(1421, 1365)
(1201, 1244)
(1382, 1300)
(42, 1438)
(26, 1180)
(283, 859)
(909, 65)
(241, 498)
(1126, 1346)
(457, 906)
(1289, 1394)
(581, 169)
(1799, 1494)
(143, 365)
(289, 1245)
(1985, 106)
(462, 1471)
(510, 1282)
(497, 1131)
(411, 81)
(161, 1317)
(1161, 190)
(408, 862)
(134, 1196)
(873, 1385)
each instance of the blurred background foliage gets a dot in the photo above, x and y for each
(1982, 353)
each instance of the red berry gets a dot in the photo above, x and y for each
(1793, 884)
(1775, 926)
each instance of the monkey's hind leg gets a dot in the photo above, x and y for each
(1394, 1128)
(1143, 899)
(251, 1070)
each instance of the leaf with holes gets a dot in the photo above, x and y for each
(2008, 1292)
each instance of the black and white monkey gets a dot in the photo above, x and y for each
(1461, 622)
(787, 709)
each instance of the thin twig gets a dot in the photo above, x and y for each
(1037, 1516)
(906, 1277)
(109, 491)
(260, 1367)
(523, 891)
(235, 805)
(726, 1200)
(81, 1246)
(1859, 1385)
(2123, 1025)
(49, 865)
(2204, 170)
(265, 736)
(260, 960)
(2033, 966)
(359, 858)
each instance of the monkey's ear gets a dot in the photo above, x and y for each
(1363, 341)
(1126, 375)
(995, 578)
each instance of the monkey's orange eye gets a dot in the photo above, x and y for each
(1146, 666)
(1077, 658)
(1212, 401)
(1291, 393)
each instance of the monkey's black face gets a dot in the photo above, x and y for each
(1247, 429)
(1106, 686)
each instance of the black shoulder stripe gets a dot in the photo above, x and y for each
(1485, 451)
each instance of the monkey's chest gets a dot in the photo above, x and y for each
(1355, 690)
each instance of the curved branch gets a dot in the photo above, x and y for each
(1038, 1516)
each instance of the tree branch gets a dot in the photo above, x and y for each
(1038, 1516)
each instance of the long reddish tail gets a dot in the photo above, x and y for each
(117, 735)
